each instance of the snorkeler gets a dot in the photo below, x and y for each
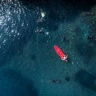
(40, 20)
(52, 81)
(40, 31)
(58, 81)
(90, 37)
(55, 81)
(63, 38)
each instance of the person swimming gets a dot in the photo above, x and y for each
(90, 37)
(63, 38)
(54, 81)
(40, 31)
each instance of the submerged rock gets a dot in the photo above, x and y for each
(12, 83)
(86, 79)
(33, 57)
(67, 78)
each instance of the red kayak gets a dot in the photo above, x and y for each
(60, 53)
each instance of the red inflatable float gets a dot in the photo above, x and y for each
(61, 53)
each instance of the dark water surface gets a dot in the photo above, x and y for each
(29, 65)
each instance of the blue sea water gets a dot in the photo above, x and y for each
(28, 62)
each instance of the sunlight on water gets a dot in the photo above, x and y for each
(10, 16)
(15, 19)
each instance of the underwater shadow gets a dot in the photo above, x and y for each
(85, 51)
(69, 60)
(86, 79)
(12, 83)
(33, 57)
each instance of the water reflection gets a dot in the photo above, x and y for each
(14, 27)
